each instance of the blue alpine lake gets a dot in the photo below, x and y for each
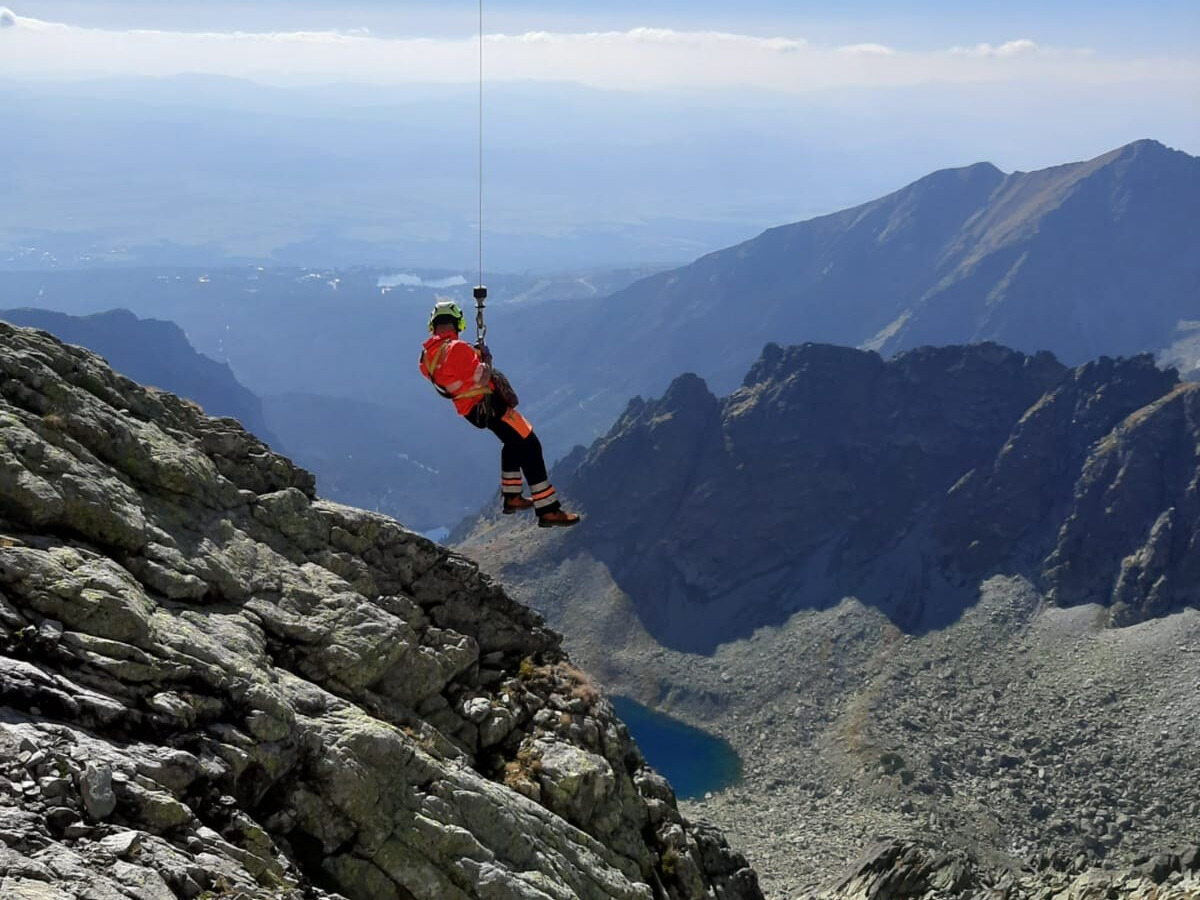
(692, 760)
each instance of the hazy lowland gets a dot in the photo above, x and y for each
(349, 175)
(889, 462)
(209, 170)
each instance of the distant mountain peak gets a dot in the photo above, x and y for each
(1147, 146)
(980, 172)
(686, 388)
(1145, 158)
(777, 363)
(1081, 259)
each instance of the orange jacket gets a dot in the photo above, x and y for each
(456, 370)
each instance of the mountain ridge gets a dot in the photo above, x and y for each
(853, 458)
(1083, 259)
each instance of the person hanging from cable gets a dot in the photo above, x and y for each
(464, 373)
(482, 395)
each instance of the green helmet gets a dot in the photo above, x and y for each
(448, 309)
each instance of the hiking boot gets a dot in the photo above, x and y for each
(514, 502)
(559, 518)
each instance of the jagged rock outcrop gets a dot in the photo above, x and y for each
(1103, 472)
(1133, 528)
(155, 352)
(905, 483)
(907, 870)
(1030, 482)
(214, 683)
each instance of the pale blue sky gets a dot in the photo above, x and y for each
(1151, 26)
(758, 44)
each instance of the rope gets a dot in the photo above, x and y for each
(480, 291)
(480, 142)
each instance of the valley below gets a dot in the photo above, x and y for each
(1036, 738)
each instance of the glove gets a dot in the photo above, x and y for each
(485, 354)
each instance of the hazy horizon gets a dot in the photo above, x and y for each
(655, 133)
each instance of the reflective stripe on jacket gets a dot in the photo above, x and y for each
(456, 370)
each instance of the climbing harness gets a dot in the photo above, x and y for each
(431, 362)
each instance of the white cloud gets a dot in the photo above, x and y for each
(403, 279)
(867, 50)
(7, 18)
(638, 59)
(1022, 47)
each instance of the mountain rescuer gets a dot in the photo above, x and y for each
(464, 374)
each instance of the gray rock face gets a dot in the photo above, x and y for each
(1132, 533)
(212, 681)
(907, 870)
(95, 784)
(905, 483)
(155, 352)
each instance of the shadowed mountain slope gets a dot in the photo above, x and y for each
(831, 472)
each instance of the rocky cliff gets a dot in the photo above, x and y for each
(895, 869)
(904, 483)
(155, 352)
(213, 683)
